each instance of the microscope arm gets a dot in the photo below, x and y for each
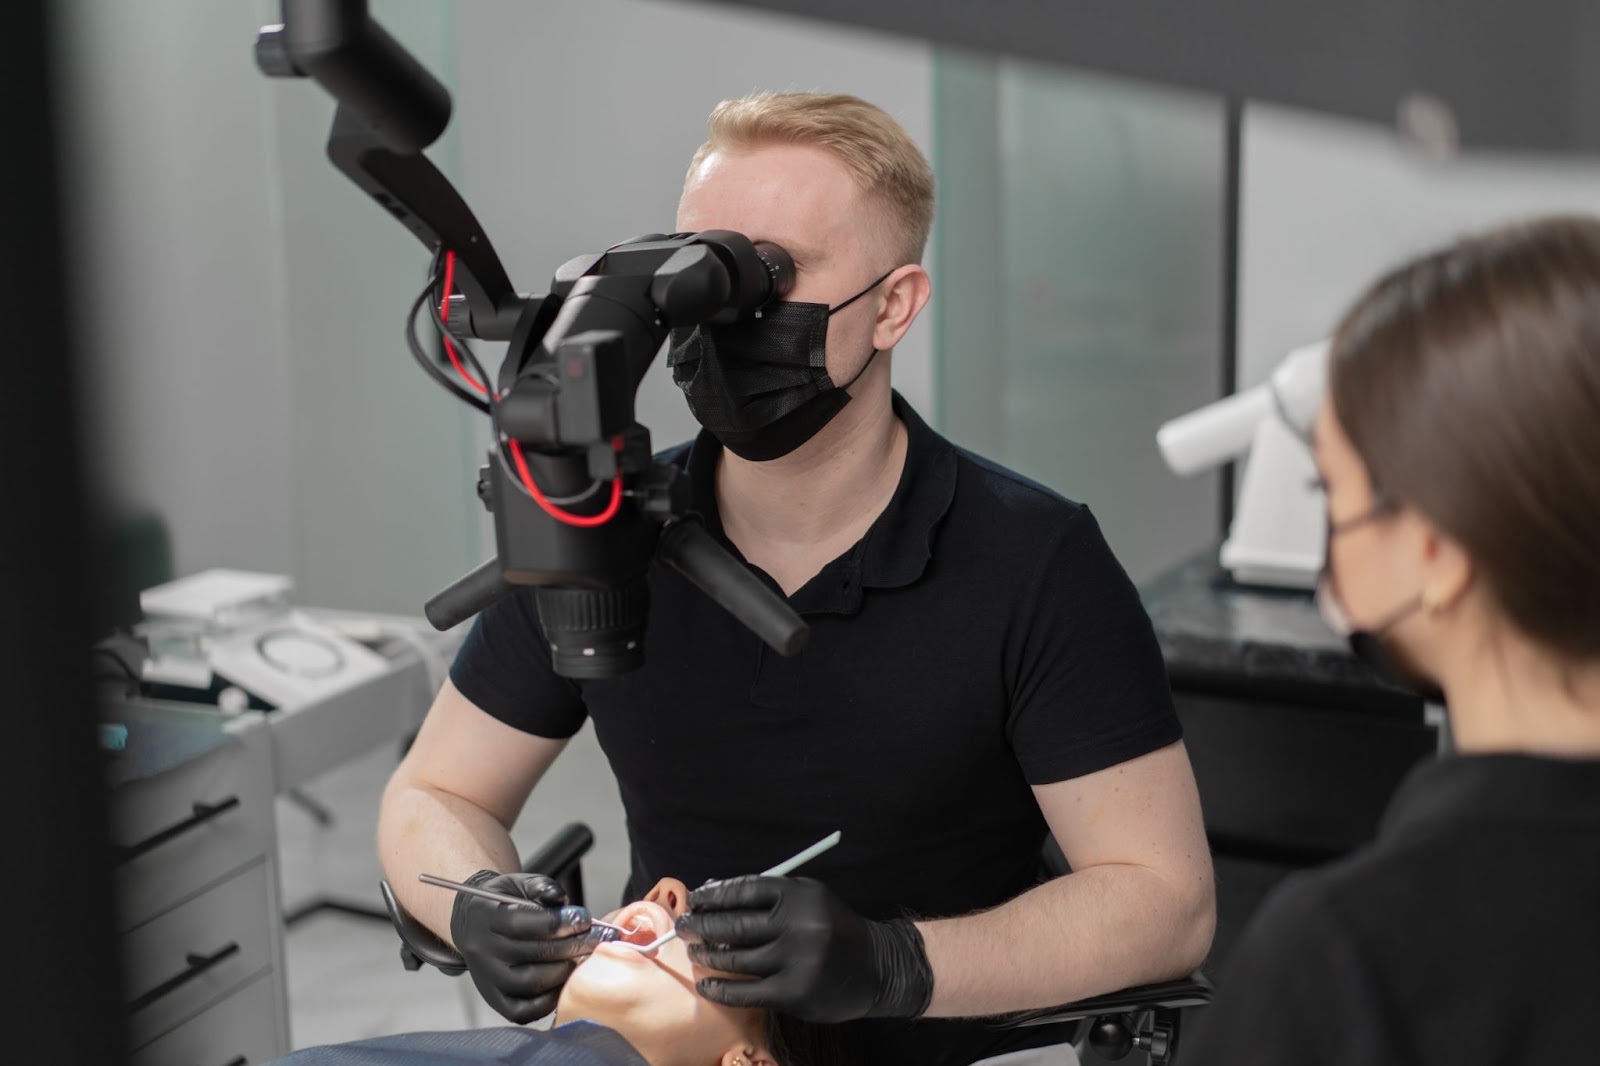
(390, 109)
(413, 190)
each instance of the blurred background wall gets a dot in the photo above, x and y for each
(242, 302)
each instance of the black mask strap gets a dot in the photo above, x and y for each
(863, 370)
(860, 294)
(847, 303)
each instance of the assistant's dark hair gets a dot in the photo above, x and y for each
(1468, 381)
(797, 1043)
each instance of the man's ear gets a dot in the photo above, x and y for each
(905, 294)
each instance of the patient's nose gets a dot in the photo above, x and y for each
(672, 894)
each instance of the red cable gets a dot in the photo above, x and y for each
(581, 521)
(444, 317)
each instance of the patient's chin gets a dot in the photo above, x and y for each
(602, 984)
(655, 1010)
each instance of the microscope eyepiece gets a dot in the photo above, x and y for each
(780, 270)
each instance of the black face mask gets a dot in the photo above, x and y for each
(762, 387)
(1368, 645)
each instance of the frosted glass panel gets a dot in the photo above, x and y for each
(1080, 262)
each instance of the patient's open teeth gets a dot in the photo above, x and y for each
(641, 933)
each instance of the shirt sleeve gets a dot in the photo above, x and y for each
(504, 669)
(1089, 686)
(1295, 989)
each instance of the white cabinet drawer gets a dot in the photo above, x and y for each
(195, 954)
(242, 1029)
(185, 829)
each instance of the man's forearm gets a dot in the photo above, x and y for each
(425, 830)
(1096, 930)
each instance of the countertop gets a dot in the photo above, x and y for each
(164, 735)
(1217, 633)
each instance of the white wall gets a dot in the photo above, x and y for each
(177, 280)
(242, 301)
(577, 122)
(241, 305)
(385, 461)
(1328, 204)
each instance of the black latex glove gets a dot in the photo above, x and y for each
(519, 957)
(809, 954)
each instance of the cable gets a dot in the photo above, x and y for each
(568, 501)
(551, 507)
(371, 631)
(449, 338)
(581, 521)
(427, 364)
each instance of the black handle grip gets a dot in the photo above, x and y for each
(561, 851)
(466, 596)
(691, 551)
(362, 67)
(418, 944)
(198, 964)
(238, 1060)
(203, 813)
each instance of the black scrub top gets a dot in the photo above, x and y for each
(980, 639)
(1467, 934)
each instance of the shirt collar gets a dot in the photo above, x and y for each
(899, 544)
(1501, 787)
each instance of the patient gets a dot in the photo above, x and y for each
(619, 1008)
(652, 1000)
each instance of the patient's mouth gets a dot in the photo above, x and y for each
(642, 922)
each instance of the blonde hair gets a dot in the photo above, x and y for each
(883, 159)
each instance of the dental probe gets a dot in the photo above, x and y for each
(779, 870)
(501, 897)
(784, 867)
(805, 856)
(648, 949)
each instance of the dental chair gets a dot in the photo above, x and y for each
(1146, 1018)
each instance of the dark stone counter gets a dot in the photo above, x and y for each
(1216, 634)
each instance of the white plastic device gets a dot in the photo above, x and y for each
(238, 625)
(1279, 525)
(292, 660)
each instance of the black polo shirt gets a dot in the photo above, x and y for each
(1468, 934)
(980, 639)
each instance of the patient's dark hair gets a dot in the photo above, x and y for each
(797, 1043)
(1468, 381)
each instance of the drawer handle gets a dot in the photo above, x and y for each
(239, 1060)
(203, 813)
(198, 964)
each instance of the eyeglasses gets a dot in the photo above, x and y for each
(1382, 507)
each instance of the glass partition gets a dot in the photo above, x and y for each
(1079, 260)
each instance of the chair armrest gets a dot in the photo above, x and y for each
(570, 844)
(418, 944)
(559, 859)
(1193, 991)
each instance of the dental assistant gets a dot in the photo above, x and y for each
(980, 674)
(1460, 448)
